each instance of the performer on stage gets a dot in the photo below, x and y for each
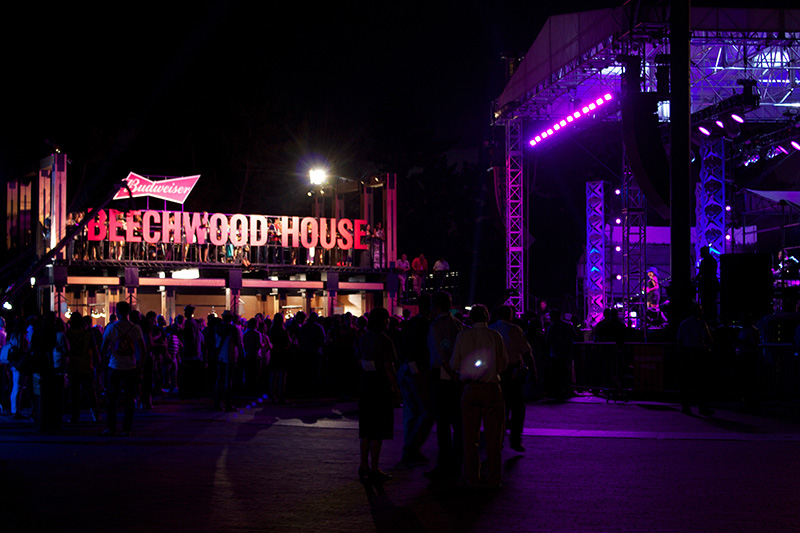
(788, 266)
(652, 291)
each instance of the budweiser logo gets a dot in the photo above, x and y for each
(173, 190)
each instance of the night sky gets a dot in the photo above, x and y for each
(252, 94)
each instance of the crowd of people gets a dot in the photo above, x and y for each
(461, 372)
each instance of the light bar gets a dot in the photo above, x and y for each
(795, 145)
(570, 119)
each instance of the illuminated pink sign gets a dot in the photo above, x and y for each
(173, 190)
(219, 229)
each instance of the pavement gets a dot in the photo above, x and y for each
(590, 465)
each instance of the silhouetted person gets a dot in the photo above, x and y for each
(520, 363)
(560, 338)
(378, 392)
(123, 343)
(708, 285)
(694, 346)
(412, 377)
(445, 388)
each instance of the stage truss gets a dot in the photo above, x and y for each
(558, 78)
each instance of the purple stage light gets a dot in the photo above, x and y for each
(563, 123)
(619, 277)
(599, 101)
(592, 106)
(570, 119)
(704, 130)
(549, 131)
(556, 127)
(737, 118)
(728, 237)
(533, 143)
(618, 248)
(782, 149)
(795, 145)
(544, 134)
(585, 110)
(607, 96)
(538, 138)
(576, 114)
(617, 192)
(618, 221)
(720, 124)
(727, 208)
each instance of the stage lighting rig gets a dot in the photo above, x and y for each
(725, 116)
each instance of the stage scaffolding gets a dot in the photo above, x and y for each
(576, 56)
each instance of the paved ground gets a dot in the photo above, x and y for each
(589, 466)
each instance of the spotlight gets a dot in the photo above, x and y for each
(728, 237)
(618, 221)
(795, 145)
(720, 124)
(617, 192)
(727, 208)
(737, 118)
(618, 248)
(7, 306)
(619, 277)
(704, 130)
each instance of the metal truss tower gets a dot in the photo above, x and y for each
(515, 217)
(711, 214)
(634, 250)
(596, 278)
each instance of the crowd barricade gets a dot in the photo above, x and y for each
(655, 368)
(778, 374)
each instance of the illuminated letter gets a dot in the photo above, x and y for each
(171, 227)
(258, 230)
(193, 227)
(219, 229)
(327, 236)
(113, 236)
(309, 232)
(238, 235)
(345, 242)
(97, 227)
(359, 235)
(131, 226)
(294, 231)
(156, 218)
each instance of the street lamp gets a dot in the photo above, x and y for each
(318, 176)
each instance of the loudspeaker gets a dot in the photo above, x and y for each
(131, 277)
(645, 151)
(745, 285)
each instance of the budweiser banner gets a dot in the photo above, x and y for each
(173, 190)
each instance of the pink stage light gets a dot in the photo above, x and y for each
(737, 118)
(782, 150)
(704, 130)
(617, 192)
(618, 248)
(795, 145)
(618, 221)
(556, 126)
(720, 124)
(727, 208)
